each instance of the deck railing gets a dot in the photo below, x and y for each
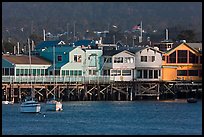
(57, 79)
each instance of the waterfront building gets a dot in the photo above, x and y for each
(19, 65)
(119, 64)
(148, 63)
(182, 63)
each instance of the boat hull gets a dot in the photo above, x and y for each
(191, 100)
(30, 108)
(54, 106)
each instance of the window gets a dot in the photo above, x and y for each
(106, 72)
(17, 72)
(193, 72)
(145, 73)
(42, 72)
(26, 72)
(2, 70)
(159, 72)
(38, 71)
(143, 58)
(118, 60)
(172, 58)
(71, 72)
(150, 73)
(11, 71)
(155, 73)
(7, 71)
(63, 72)
(139, 73)
(151, 58)
(75, 72)
(163, 58)
(181, 72)
(59, 58)
(77, 58)
(182, 56)
(46, 72)
(21, 72)
(126, 72)
(80, 73)
(95, 72)
(129, 60)
(67, 72)
(107, 60)
(115, 72)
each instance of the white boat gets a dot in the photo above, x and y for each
(7, 102)
(53, 105)
(30, 106)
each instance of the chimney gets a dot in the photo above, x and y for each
(44, 34)
(167, 34)
(18, 46)
(32, 44)
(14, 49)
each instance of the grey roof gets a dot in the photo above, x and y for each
(197, 46)
(131, 50)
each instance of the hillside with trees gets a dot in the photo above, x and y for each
(21, 20)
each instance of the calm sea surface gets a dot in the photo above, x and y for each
(107, 118)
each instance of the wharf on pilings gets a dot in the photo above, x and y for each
(94, 91)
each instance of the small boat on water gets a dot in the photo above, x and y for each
(30, 106)
(191, 100)
(7, 102)
(53, 105)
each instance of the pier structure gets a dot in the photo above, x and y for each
(95, 89)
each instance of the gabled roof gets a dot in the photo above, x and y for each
(171, 50)
(48, 44)
(137, 49)
(84, 43)
(24, 59)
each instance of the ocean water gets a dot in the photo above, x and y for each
(107, 118)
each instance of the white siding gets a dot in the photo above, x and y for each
(148, 52)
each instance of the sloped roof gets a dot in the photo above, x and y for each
(195, 45)
(132, 50)
(24, 59)
(172, 49)
(47, 44)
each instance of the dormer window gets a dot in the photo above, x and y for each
(77, 58)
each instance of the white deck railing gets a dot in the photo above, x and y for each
(56, 79)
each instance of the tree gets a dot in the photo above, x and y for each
(188, 35)
(7, 47)
(36, 38)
